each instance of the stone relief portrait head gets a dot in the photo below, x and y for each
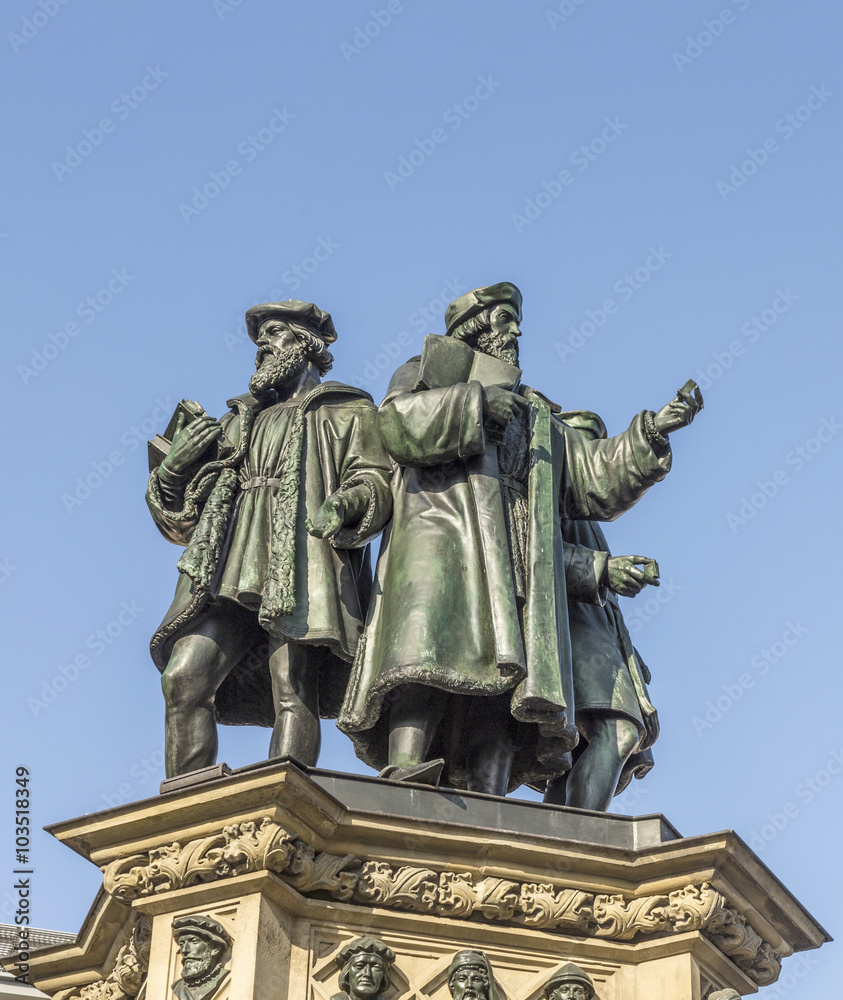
(364, 968)
(203, 944)
(570, 983)
(470, 977)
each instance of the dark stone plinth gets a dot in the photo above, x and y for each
(519, 817)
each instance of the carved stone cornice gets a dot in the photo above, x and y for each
(266, 846)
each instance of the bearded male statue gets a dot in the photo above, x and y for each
(465, 672)
(275, 504)
(203, 944)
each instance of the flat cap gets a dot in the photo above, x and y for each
(202, 927)
(370, 945)
(468, 958)
(304, 313)
(468, 305)
(569, 973)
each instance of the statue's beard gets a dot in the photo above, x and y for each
(196, 968)
(278, 368)
(496, 346)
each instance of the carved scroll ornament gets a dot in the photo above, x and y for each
(263, 845)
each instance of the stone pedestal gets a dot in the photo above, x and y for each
(294, 863)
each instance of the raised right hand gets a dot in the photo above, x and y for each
(500, 406)
(629, 575)
(190, 442)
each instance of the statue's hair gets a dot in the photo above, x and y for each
(368, 946)
(469, 965)
(315, 347)
(470, 328)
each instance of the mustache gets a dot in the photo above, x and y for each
(503, 348)
(274, 367)
(267, 351)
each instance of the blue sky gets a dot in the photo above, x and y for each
(665, 192)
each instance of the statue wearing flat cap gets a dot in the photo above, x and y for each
(465, 675)
(364, 969)
(203, 944)
(569, 983)
(275, 505)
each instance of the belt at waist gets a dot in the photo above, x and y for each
(257, 481)
(513, 484)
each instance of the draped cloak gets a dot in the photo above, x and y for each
(609, 675)
(242, 520)
(444, 610)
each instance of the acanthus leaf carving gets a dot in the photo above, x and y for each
(407, 888)
(126, 979)
(695, 907)
(309, 871)
(251, 846)
(621, 920)
(497, 898)
(542, 906)
(174, 867)
(162, 869)
(456, 897)
(264, 845)
(238, 849)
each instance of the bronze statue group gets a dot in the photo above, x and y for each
(487, 648)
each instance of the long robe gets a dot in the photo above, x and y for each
(610, 677)
(247, 543)
(444, 609)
